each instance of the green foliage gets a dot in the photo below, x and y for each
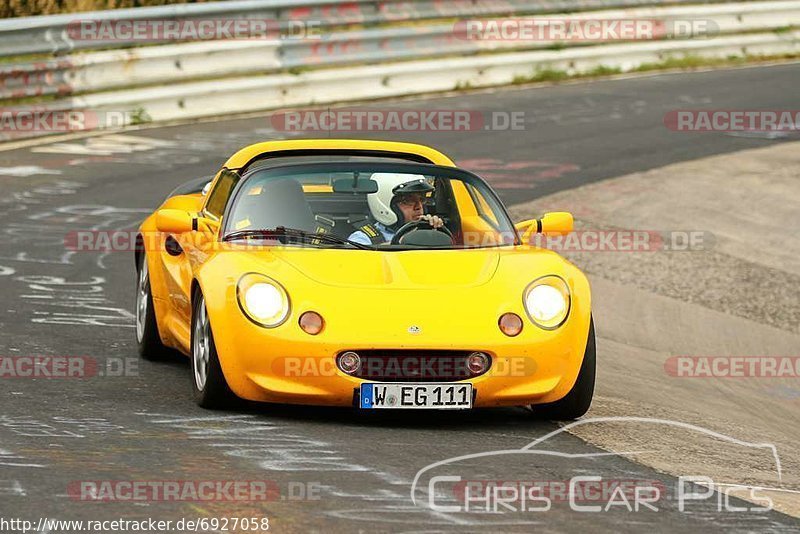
(29, 8)
(543, 75)
(603, 70)
(140, 116)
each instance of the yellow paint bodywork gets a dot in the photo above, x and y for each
(249, 153)
(368, 300)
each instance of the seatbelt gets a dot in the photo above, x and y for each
(375, 236)
(324, 226)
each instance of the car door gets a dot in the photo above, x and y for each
(184, 253)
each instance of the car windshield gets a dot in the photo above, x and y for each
(374, 206)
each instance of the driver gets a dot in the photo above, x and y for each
(400, 199)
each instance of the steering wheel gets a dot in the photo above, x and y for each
(417, 225)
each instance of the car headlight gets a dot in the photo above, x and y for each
(263, 300)
(547, 301)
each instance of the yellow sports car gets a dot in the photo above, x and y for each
(370, 274)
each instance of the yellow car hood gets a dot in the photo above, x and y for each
(421, 269)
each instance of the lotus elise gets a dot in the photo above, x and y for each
(370, 274)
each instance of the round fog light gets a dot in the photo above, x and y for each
(510, 324)
(311, 322)
(349, 362)
(478, 363)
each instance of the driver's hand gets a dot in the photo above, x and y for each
(433, 220)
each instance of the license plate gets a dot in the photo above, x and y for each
(405, 396)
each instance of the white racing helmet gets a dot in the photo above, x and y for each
(381, 203)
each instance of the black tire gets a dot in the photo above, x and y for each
(147, 337)
(579, 399)
(213, 392)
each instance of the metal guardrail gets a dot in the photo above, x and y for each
(190, 80)
(50, 35)
(333, 86)
(100, 71)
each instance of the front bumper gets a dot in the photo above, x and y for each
(286, 365)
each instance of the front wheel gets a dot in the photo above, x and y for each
(577, 401)
(147, 337)
(208, 383)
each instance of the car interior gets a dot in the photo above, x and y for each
(318, 208)
(335, 201)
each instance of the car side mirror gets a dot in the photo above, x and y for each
(174, 221)
(557, 223)
(551, 224)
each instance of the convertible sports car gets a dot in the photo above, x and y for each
(370, 274)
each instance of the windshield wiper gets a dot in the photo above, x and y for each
(294, 233)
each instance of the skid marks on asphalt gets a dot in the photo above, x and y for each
(77, 303)
(10, 459)
(105, 145)
(274, 447)
(16, 201)
(21, 171)
(37, 452)
(281, 452)
(62, 427)
(517, 174)
(12, 488)
(39, 241)
(11, 463)
(62, 225)
(181, 149)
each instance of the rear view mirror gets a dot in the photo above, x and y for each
(355, 185)
(174, 221)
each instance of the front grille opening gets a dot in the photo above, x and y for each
(416, 365)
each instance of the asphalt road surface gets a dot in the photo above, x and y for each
(333, 470)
